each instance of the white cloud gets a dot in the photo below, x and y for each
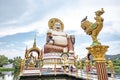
(31, 8)
(28, 43)
(11, 53)
(113, 47)
(10, 45)
(71, 15)
(38, 26)
(81, 50)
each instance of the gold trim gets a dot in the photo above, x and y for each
(34, 49)
(98, 52)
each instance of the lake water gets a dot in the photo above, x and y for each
(8, 75)
(14, 76)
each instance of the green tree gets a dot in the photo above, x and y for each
(11, 60)
(3, 60)
(16, 62)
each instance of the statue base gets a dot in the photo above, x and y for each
(31, 66)
(95, 44)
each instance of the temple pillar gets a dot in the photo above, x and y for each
(80, 61)
(87, 70)
(76, 64)
(98, 53)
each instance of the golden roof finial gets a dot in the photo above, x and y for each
(26, 52)
(34, 44)
(26, 49)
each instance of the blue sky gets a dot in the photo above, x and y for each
(20, 20)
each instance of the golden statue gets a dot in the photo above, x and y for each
(93, 29)
(65, 59)
(22, 65)
(75, 60)
(57, 40)
(111, 68)
(31, 60)
(76, 57)
(111, 65)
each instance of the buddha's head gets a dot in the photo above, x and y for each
(31, 54)
(57, 26)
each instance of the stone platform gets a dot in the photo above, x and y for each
(59, 75)
(45, 74)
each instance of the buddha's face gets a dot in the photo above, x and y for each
(57, 26)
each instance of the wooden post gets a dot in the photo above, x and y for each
(80, 61)
(41, 64)
(76, 64)
(86, 65)
(69, 68)
(54, 68)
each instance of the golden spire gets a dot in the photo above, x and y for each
(26, 49)
(26, 52)
(34, 44)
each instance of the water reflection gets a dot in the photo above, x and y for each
(50, 78)
(6, 76)
(11, 75)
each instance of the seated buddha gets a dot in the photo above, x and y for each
(31, 61)
(57, 40)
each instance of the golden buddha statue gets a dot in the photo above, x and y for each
(31, 60)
